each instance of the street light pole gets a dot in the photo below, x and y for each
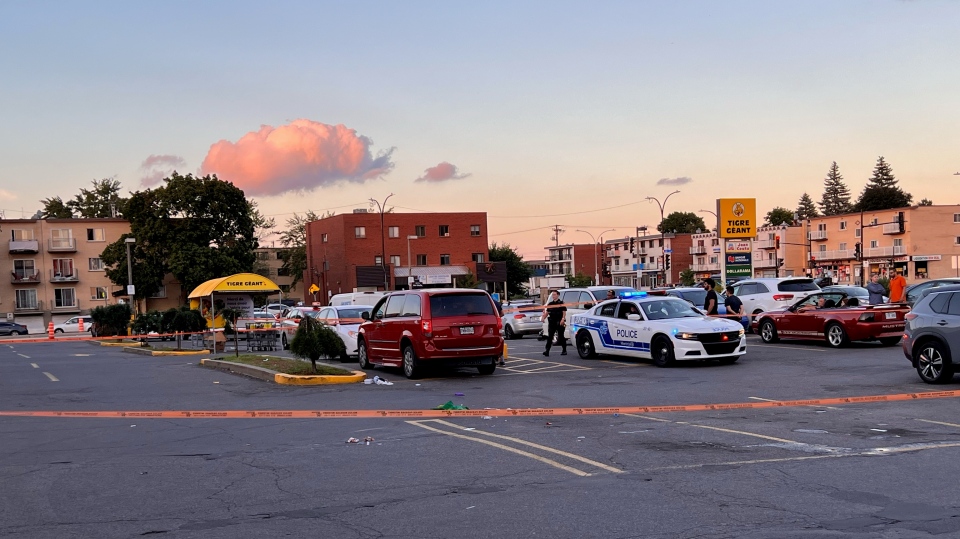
(129, 242)
(383, 243)
(409, 264)
(662, 231)
(596, 259)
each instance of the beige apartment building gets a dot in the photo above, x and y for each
(769, 258)
(270, 265)
(56, 271)
(926, 247)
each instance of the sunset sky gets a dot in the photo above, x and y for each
(535, 112)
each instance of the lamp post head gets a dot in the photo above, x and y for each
(130, 240)
(412, 237)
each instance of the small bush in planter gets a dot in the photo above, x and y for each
(111, 320)
(314, 340)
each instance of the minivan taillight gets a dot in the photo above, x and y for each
(427, 327)
(782, 297)
(500, 323)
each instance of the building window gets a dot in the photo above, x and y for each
(898, 242)
(63, 268)
(161, 293)
(444, 260)
(475, 229)
(24, 269)
(377, 260)
(822, 226)
(323, 238)
(96, 264)
(27, 299)
(263, 255)
(958, 240)
(98, 293)
(280, 254)
(395, 260)
(478, 257)
(843, 225)
(715, 242)
(393, 232)
(285, 288)
(874, 222)
(823, 248)
(956, 218)
(420, 231)
(96, 234)
(360, 232)
(843, 246)
(64, 297)
(21, 235)
(659, 243)
(283, 272)
(714, 260)
(856, 233)
(874, 244)
(444, 231)
(421, 260)
(61, 238)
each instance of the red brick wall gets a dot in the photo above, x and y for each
(345, 252)
(680, 259)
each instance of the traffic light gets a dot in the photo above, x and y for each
(606, 269)
(779, 262)
(666, 261)
(777, 242)
(858, 251)
(901, 222)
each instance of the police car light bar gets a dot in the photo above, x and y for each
(633, 294)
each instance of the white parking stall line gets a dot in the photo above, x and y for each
(944, 423)
(51, 377)
(23, 356)
(808, 405)
(35, 366)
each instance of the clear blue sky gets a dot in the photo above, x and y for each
(550, 107)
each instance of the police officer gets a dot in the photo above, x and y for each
(556, 314)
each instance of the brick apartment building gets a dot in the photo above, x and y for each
(639, 261)
(575, 258)
(56, 270)
(343, 251)
(768, 260)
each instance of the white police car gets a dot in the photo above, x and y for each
(664, 329)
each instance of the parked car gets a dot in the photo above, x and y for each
(344, 320)
(830, 316)
(859, 292)
(768, 294)
(578, 300)
(916, 290)
(12, 328)
(356, 298)
(292, 320)
(932, 333)
(441, 326)
(73, 325)
(274, 309)
(521, 318)
(695, 296)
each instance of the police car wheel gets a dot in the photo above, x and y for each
(585, 345)
(662, 350)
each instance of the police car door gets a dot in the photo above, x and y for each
(626, 334)
(600, 323)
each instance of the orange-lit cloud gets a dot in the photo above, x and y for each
(7, 195)
(441, 173)
(299, 156)
(157, 167)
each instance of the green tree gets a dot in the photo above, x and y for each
(102, 201)
(196, 228)
(294, 238)
(682, 222)
(518, 273)
(779, 216)
(579, 280)
(687, 277)
(882, 191)
(314, 340)
(111, 319)
(836, 195)
(55, 208)
(806, 208)
(467, 281)
(926, 202)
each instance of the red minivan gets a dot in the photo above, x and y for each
(442, 326)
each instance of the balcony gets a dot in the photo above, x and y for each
(878, 252)
(891, 228)
(24, 246)
(19, 277)
(818, 235)
(28, 307)
(766, 244)
(69, 276)
(613, 253)
(62, 245)
(698, 250)
(842, 254)
(760, 262)
(706, 267)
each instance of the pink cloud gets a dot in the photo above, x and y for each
(157, 167)
(441, 173)
(299, 156)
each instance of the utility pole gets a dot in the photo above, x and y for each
(556, 235)
(383, 243)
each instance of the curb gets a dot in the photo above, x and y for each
(148, 352)
(284, 379)
(118, 344)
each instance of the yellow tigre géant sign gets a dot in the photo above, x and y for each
(738, 217)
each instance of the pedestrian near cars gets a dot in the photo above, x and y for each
(556, 314)
(611, 294)
(876, 290)
(735, 308)
(710, 302)
(897, 287)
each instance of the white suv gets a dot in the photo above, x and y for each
(578, 300)
(761, 295)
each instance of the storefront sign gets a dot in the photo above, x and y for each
(738, 247)
(739, 259)
(738, 217)
(925, 258)
(737, 272)
(437, 279)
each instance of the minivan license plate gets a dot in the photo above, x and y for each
(890, 316)
(466, 331)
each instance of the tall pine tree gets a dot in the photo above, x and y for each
(882, 191)
(806, 208)
(836, 196)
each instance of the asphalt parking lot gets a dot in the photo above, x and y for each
(864, 470)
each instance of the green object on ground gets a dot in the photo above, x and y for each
(451, 406)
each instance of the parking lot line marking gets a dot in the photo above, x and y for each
(51, 377)
(650, 418)
(35, 366)
(809, 406)
(939, 423)
(745, 433)
(23, 356)
(745, 462)
(544, 460)
(538, 446)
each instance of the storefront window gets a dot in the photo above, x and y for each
(920, 270)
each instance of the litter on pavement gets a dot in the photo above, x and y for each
(381, 382)
(352, 440)
(449, 405)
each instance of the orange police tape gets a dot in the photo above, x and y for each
(521, 412)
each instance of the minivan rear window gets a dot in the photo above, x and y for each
(460, 305)
(799, 285)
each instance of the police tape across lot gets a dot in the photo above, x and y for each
(509, 412)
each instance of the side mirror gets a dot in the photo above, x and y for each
(365, 315)
(633, 317)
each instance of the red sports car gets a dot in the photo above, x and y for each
(835, 317)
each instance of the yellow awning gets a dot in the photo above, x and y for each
(239, 283)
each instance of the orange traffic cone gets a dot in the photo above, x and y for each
(80, 324)
(50, 330)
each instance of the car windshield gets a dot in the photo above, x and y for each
(353, 313)
(695, 296)
(858, 291)
(444, 305)
(669, 308)
(798, 285)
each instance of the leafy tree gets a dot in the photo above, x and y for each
(518, 273)
(314, 340)
(147, 322)
(102, 201)
(196, 228)
(779, 216)
(55, 208)
(926, 202)
(294, 238)
(836, 196)
(111, 319)
(682, 222)
(467, 281)
(579, 280)
(687, 277)
(882, 191)
(806, 208)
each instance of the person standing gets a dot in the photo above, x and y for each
(897, 287)
(710, 304)
(735, 308)
(876, 290)
(556, 314)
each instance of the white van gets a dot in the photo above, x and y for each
(356, 298)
